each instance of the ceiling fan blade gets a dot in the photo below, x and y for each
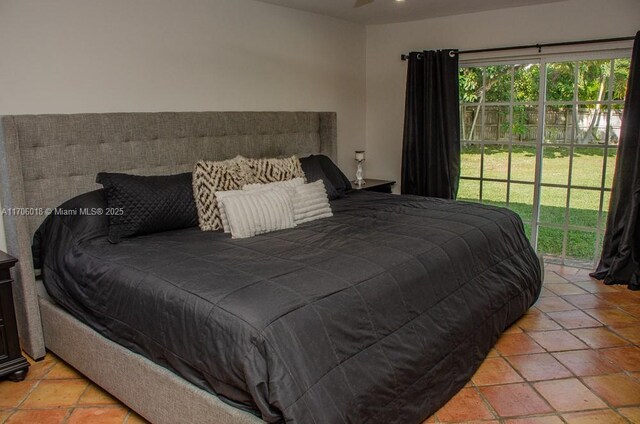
(360, 3)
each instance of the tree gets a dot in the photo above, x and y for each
(594, 84)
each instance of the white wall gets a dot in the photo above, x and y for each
(69, 56)
(386, 73)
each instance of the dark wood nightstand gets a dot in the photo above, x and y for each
(381, 186)
(12, 363)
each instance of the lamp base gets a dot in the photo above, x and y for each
(360, 174)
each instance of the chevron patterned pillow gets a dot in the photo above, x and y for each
(209, 177)
(271, 170)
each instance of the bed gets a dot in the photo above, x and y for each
(378, 314)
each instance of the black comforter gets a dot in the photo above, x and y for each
(379, 314)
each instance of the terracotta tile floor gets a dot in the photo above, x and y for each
(55, 393)
(573, 358)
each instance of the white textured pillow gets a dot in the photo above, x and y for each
(257, 212)
(253, 187)
(310, 202)
(223, 213)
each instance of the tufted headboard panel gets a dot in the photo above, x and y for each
(47, 159)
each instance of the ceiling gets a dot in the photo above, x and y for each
(390, 11)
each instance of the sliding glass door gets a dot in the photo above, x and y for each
(540, 138)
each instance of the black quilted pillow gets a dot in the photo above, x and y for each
(139, 205)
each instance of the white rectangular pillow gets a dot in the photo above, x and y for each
(252, 187)
(223, 213)
(310, 202)
(251, 213)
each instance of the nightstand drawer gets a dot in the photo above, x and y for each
(12, 364)
(6, 301)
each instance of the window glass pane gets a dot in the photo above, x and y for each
(550, 241)
(496, 161)
(582, 115)
(560, 81)
(523, 163)
(559, 124)
(593, 80)
(521, 200)
(615, 123)
(525, 124)
(583, 208)
(606, 198)
(621, 77)
(592, 124)
(498, 83)
(587, 166)
(469, 190)
(581, 244)
(471, 122)
(494, 193)
(496, 123)
(470, 85)
(555, 165)
(526, 84)
(553, 202)
(470, 155)
(611, 167)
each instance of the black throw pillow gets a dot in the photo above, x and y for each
(314, 172)
(322, 167)
(138, 205)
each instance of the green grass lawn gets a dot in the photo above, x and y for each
(583, 204)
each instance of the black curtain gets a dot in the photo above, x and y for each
(620, 262)
(431, 144)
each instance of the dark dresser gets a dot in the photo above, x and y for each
(12, 364)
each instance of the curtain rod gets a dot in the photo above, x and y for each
(535, 46)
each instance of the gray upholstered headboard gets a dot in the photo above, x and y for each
(47, 159)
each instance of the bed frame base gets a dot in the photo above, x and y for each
(152, 391)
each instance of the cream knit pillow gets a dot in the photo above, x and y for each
(310, 202)
(252, 187)
(250, 213)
